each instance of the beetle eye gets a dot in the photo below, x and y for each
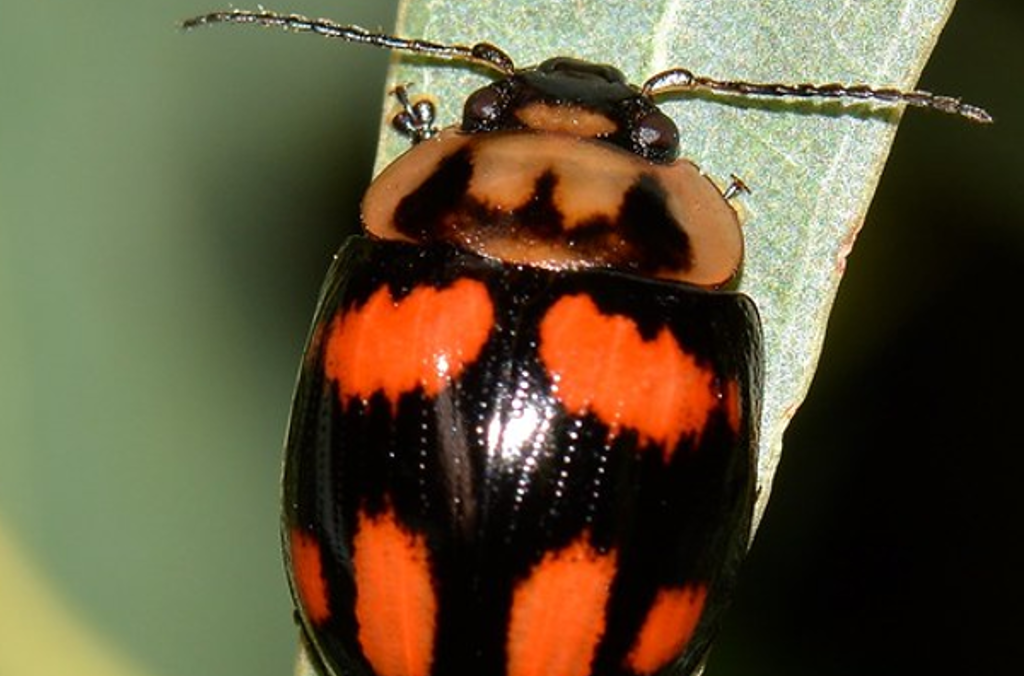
(482, 108)
(657, 135)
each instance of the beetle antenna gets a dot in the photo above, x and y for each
(482, 53)
(680, 79)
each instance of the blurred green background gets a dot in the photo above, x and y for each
(168, 206)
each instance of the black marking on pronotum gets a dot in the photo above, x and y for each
(431, 207)
(641, 236)
(540, 213)
(645, 220)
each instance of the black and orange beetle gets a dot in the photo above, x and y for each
(523, 437)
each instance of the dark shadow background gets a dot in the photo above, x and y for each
(893, 542)
(168, 206)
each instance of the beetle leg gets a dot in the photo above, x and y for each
(735, 188)
(416, 119)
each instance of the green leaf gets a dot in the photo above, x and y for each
(812, 168)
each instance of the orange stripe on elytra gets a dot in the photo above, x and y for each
(669, 626)
(308, 576)
(423, 340)
(558, 612)
(395, 601)
(602, 365)
(733, 405)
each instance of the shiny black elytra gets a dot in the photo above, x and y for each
(494, 474)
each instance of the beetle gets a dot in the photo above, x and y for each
(523, 437)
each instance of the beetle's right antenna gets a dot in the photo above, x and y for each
(482, 53)
(680, 79)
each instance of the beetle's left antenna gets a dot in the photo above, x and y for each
(482, 53)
